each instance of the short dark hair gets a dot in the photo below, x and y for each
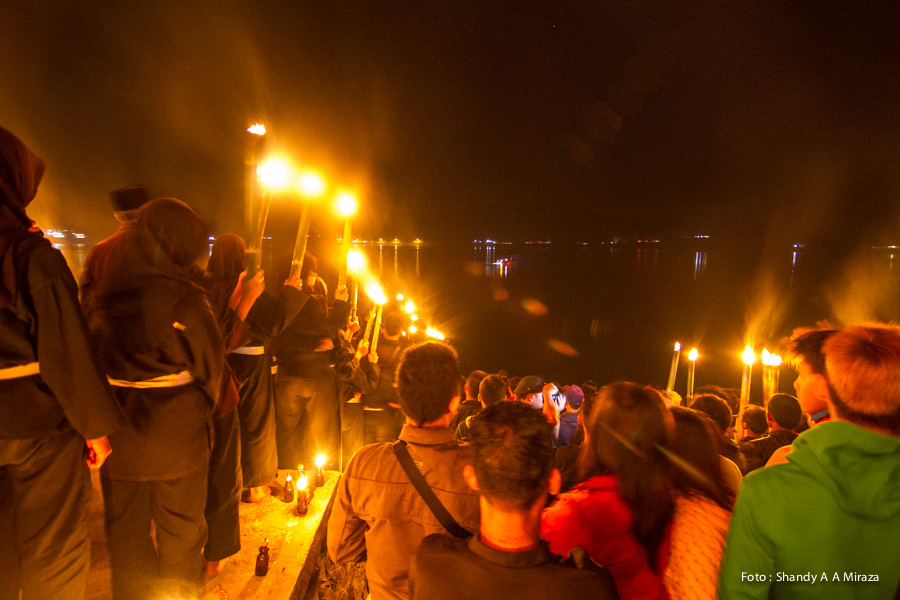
(473, 382)
(785, 409)
(755, 418)
(806, 344)
(492, 390)
(731, 396)
(393, 325)
(715, 407)
(696, 442)
(513, 383)
(512, 453)
(590, 388)
(427, 380)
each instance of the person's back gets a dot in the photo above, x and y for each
(782, 415)
(507, 558)
(826, 524)
(378, 515)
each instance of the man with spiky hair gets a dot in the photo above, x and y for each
(838, 488)
(378, 515)
(512, 469)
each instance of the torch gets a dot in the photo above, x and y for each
(255, 146)
(346, 206)
(673, 370)
(311, 186)
(379, 298)
(749, 358)
(771, 368)
(692, 365)
(356, 262)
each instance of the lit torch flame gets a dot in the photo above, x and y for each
(257, 129)
(356, 261)
(677, 347)
(399, 297)
(312, 185)
(770, 360)
(346, 204)
(432, 332)
(412, 329)
(748, 356)
(692, 355)
(376, 293)
(409, 307)
(274, 173)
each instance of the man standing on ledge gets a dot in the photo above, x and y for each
(378, 515)
(832, 512)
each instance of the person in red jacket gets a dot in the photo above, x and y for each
(621, 513)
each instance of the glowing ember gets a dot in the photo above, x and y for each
(312, 185)
(748, 356)
(409, 307)
(258, 129)
(346, 204)
(432, 332)
(275, 173)
(769, 359)
(692, 355)
(320, 461)
(356, 261)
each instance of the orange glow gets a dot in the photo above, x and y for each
(432, 332)
(563, 348)
(409, 307)
(320, 461)
(257, 129)
(534, 307)
(677, 347)
(356, 261)
(302, 483)
(275, 173)
(376, 292)
(770, 360)
(692, 355)
(413, 329)
(312, 185)
(748, 356)
(399, 297)
(346, 204)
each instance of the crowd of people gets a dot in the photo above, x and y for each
(190, 388)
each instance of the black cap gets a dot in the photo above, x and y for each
(129, 198)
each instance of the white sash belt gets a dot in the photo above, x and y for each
(250, 350)
(20, 371)
(163, 381)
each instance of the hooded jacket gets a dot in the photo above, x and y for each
(825, 524)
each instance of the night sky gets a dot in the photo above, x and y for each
(768, 122)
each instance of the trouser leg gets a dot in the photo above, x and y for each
(9, 554)
(51, 492)
(133, 560)
(177, 509)
(351, 429)
(224, 490)
(256, 413)
(322, 422)
(292, 396)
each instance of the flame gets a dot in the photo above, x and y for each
(311, 185)
(677, 347)
(409, 307)
(376, 292)
(692, 355)
(748, 356)
(769, 359)
(274, 173)
(414, 317)
(320, 461)
(432, 332)
(257, 129)
(356, 261)
(399, 297)
(346, 204)
(412, 329)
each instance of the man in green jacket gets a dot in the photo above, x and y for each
(826, 524)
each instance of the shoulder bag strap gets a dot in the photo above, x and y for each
(427, 494)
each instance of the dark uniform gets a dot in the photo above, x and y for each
(44, 418)
(160, 345)
(355, 377)
(382, 419)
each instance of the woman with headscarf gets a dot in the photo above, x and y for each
(160, 344)
(52, 398)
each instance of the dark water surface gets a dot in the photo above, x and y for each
(614, 311)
